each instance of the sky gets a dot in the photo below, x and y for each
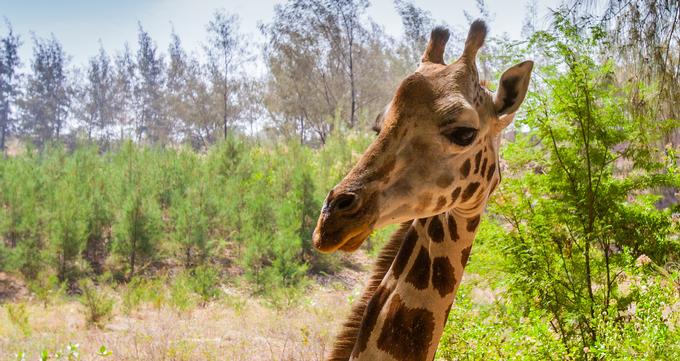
(82, 25)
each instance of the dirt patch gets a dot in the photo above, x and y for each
(11, 288)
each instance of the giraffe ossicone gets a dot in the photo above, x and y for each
(431, 168)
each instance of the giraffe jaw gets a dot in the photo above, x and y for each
(354, 242)
(349, 243)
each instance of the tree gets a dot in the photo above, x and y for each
(226, 54)
(644, 38)
(151, 119)
(67, 228)
(304, 84)
(577, 225)
(46, 103)
(348, 16)
(189, 97)
(124, 87)
(98, 109)
(138, 224)
(9, 78)
(324, 67)
(417, 26)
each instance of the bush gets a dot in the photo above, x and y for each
(140, 290)
(98, 305)
(204, 280)
(181, 293)
(577, 223)
(18, 315)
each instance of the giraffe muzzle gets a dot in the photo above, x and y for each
(344, 223)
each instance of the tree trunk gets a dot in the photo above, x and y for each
(224, 113)
(302, 130)
(353, 87)
(3, 135)
(133, 254)
(225, 95)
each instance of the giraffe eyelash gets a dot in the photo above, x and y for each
(462, 136)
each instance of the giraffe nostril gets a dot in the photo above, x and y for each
(344, 202)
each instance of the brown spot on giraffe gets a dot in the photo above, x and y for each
(492, 170)
(483, 170)
(453, 228)
(465, 168)
(436, 230)
(472, 223)
(405, 251)
(455, 194)
(420, 146)
(441, 202)
(478, 159)
(383, 171)
(424, 201)
(407, 332)
(402, 186)
(443, 276)
(494, 185)
(371, 314)
(419, 275)
(444, 180)
(465, 255)
(469, 191)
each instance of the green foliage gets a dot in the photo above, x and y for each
(140, 290)
(490, 321)
(20, 216)
(181, 296)
(18, 315)
(46, 288)
(68, 227)
(192, 212)
(98, 304)
(204, 281)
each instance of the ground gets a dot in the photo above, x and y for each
(238, 326)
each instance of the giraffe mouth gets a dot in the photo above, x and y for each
(348, 243)
(354, 242)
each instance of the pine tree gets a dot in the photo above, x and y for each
(226, 54)
(9, 77)
(124, 87)
(47, 100)
(99, 103)
(152, 124)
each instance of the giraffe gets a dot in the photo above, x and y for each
(431, 169)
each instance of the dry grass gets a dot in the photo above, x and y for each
(236, 327)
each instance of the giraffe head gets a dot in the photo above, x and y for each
(436, 149)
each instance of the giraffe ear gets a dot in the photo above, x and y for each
(436, 46)
(513, 88)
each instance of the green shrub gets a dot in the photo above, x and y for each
(204, 281)
(98, 305)
(21, 215)
(18, 315)
(140, 290)
(181, 293)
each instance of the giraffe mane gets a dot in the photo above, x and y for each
(344, 342)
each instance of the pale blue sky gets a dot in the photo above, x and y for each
(81, 24)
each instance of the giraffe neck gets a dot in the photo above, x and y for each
(405, 317)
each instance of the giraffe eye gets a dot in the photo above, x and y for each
(462, 136)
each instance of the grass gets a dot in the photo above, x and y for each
(235, 327)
